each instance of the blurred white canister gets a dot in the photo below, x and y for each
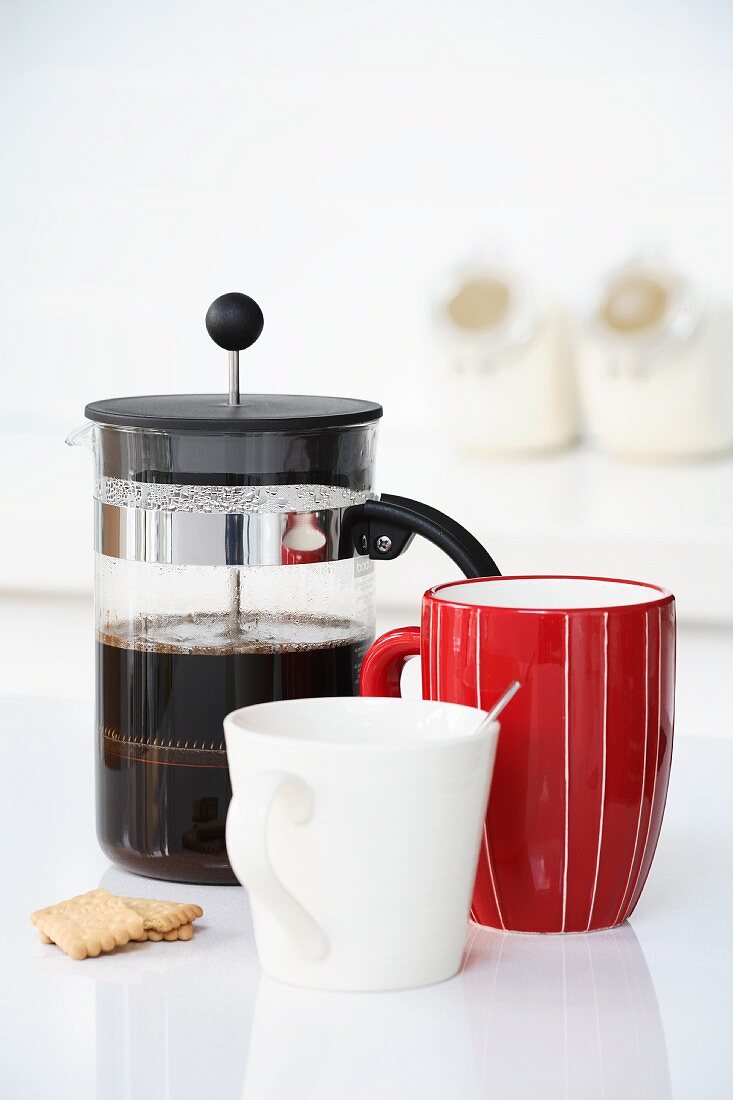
(654, 360)
(507, 383)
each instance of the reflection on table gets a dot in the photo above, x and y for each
(553, 1016)
(572, 1016)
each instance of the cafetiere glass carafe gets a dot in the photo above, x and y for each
(234, 545)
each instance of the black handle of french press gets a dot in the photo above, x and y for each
(384, 529)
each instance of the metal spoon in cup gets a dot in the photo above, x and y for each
(498, 707)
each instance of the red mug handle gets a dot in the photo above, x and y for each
(384, 661)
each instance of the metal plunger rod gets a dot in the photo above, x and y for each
(233, 377)
(234, 321)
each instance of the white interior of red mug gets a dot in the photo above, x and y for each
(550, 593)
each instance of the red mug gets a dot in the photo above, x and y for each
(582, 766)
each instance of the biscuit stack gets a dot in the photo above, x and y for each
(98, 921)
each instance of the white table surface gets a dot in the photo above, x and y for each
(643, 1011)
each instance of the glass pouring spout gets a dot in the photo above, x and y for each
(82, 436)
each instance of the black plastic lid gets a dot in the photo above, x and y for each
(233, 321)
(257, 412)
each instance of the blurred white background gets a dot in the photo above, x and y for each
(334, 160)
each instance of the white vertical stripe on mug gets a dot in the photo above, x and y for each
(487, 849)
(603, 772)
(567, 770)
(626, 894)
(656, 751)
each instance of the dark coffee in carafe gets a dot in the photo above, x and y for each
(162, 781)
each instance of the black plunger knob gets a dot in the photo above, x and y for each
(234, 321)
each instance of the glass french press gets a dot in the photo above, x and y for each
(235, 541)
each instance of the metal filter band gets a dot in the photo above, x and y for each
(222, 525)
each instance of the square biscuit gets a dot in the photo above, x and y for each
(163, 916)
(88, 924)
(183, 932)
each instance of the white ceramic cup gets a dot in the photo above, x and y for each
(355, 826)
(653, 358)
(507, 385)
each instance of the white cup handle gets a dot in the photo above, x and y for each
(246, 834)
